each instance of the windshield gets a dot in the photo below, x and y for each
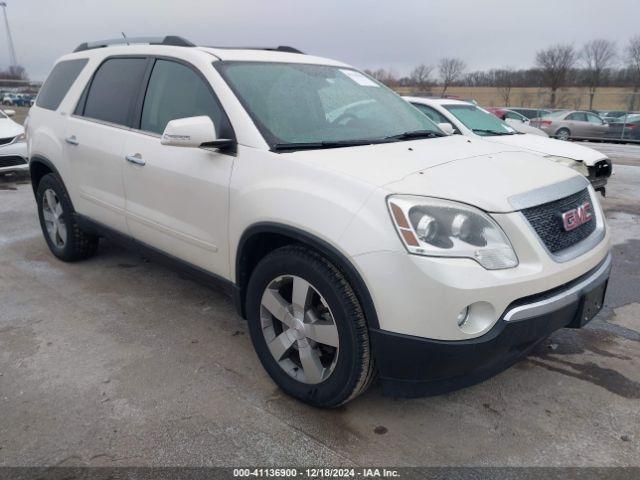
(479, 120)
(294, 104)
(2, 114)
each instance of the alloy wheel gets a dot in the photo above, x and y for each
(52, 213)
(299, 329)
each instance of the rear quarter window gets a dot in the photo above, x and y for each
(58, 83)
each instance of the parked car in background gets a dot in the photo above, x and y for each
(356, 245)
(572, 124)
(516, 120)
(613, 115)
(13, 148)
(530, 112)
(472, 121)
(626, 128)
(504, 113)
(16, 100)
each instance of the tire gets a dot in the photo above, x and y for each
(346, 367)
(563, 134)
(65, 238)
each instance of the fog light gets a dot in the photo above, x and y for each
(462, 316)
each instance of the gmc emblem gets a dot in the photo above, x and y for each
(580, 215)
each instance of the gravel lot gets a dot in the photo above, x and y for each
(119, 361)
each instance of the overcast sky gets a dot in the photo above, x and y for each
(368, 34)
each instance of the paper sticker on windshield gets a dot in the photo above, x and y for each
(359, 78)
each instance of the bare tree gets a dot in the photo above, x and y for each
(554, 64)
(15, 72)
(597, 57)
(421, 76)
(450, 69)
(632, 57)
(388, 77)
(504, 80)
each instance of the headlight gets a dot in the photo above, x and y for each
(576, 165)
(20, 138)
(442, 228)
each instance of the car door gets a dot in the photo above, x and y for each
(177, 197)
(577, 123)
(95, 136)
(597, 127)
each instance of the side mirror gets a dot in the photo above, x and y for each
(192, 132)
(9, 113)
(447, 128)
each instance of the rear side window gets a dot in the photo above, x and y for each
(114, 88)
(176, 91)
(58, 83)
(577, 116)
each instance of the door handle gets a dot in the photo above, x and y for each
(136, 159)
(72, 140)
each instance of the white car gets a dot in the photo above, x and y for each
(13, 147)
(355, 243)
(472, 121)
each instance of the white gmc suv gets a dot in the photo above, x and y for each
(355, 241)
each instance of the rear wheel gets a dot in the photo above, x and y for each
(308, 327)
(61, 231)
(563, 134)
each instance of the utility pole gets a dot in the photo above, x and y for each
(12, 51)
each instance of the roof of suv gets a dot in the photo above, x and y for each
(437, 101)
(248, 54)
(150, 46)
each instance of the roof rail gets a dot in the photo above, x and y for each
(172, 40)
(280, 48)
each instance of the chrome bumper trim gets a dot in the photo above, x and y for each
(561, 299)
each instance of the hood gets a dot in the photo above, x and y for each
(388, 162)
(473, 171)
(485, 181)
(548, 146)
(9, 128)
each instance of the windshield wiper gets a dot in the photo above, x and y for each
(492, 132)
(320, 145)
(416, 134)
(354, 143)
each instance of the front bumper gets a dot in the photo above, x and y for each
(13, 157)
(412, 366)
(599, 175)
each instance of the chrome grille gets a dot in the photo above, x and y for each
(546, 220)
(11, 161)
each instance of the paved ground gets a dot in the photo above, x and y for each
(620, 153)
(117, 361)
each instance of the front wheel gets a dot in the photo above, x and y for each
(563, 134)
(308, 327)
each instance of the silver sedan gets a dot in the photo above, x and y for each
(568, 124)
